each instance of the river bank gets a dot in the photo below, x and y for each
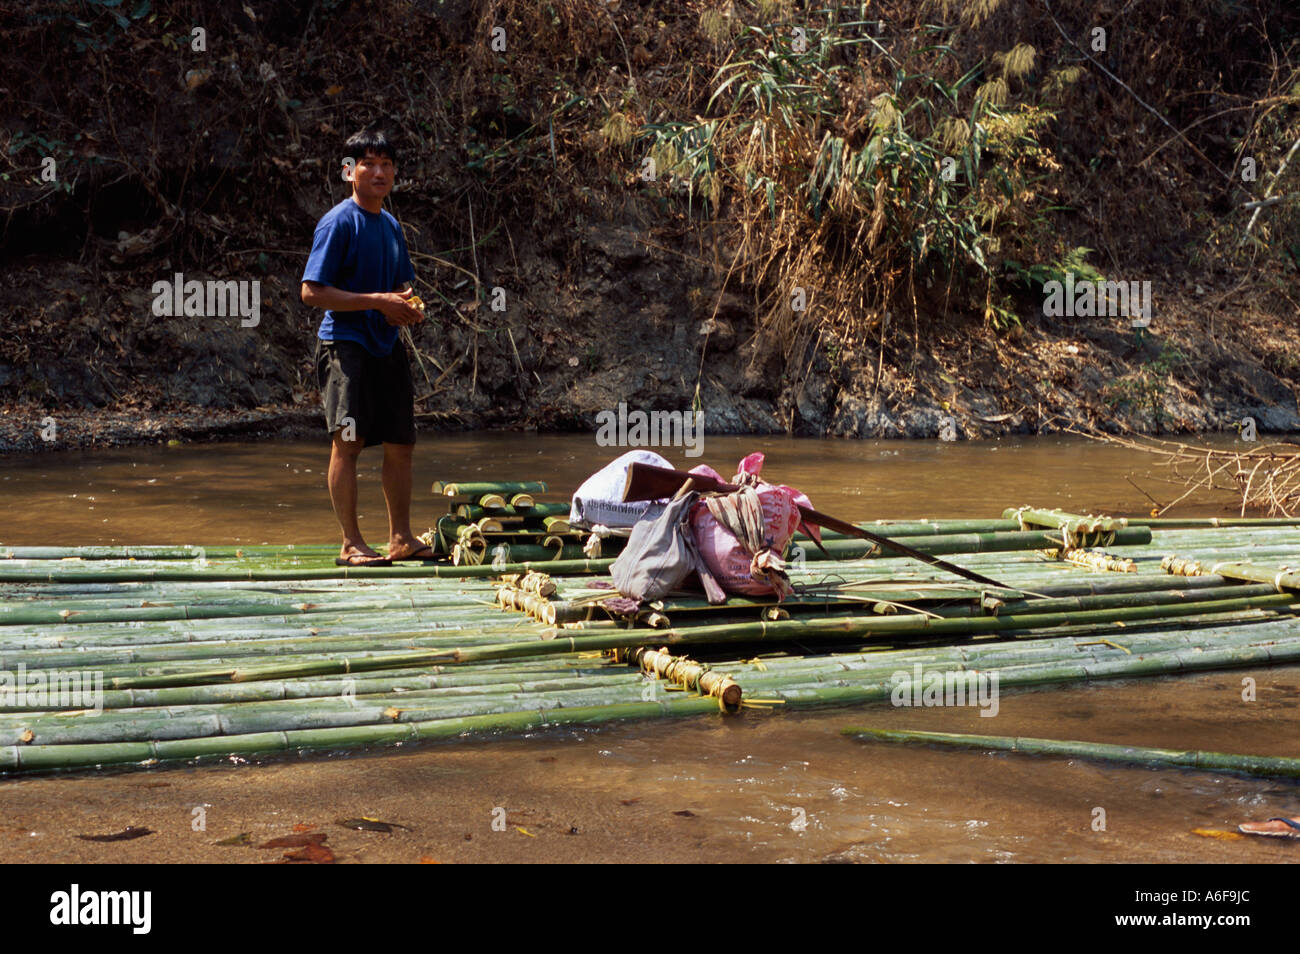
(863, 297)
(1035, 381)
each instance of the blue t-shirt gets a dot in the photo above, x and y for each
(364, 252)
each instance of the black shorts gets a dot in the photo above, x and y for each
(375, 395)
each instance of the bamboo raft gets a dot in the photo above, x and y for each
(115, 656)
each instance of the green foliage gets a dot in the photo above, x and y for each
(877, 170)
(685, 153)
(1001, 313)
(1035, 276)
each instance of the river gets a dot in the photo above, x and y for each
(765, 786)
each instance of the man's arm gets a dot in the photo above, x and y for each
(393, 305)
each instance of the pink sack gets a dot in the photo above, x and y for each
(728, 559)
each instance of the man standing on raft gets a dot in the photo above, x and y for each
(360, 272)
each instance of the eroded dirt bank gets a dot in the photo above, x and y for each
(562, 282)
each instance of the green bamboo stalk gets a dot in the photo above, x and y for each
(1099, 584)
(473, 512)
(141, 632)
(840, 628)
(1111, 600)
(569, 563)
(1279, 577)
(1189, 523)
(52, 757)
(785, 631)
(68, 616)
(548, 673)
(969, 543)
(1049, 674)
(40, 758)
(1258, 766)
(167, 552)
(68, 574)
(1061, 518)
(276, 716)
(477, 488)
(1153, 591)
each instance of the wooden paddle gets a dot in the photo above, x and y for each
(647, 482)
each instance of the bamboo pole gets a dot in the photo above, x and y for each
(689, 674)
(14, 615)
(1171, 597)
(477, 488)
(454, 649)
(394, 684)
(1184, 523)
(1259, 766)
(276, 716)
(43, 758)
(968, 543)
(1279, 577)
(170, 551)
(1061, 519)
(569, 559)
(852, 628)
(538, 510)
(50, 757)
(63, 573)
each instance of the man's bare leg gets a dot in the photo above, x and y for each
(398, 467)
(343, 494)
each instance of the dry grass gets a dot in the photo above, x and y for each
(1266, 478)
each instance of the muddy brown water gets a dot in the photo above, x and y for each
(763, 786)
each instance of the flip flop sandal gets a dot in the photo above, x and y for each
(415, 554)
(1290, 828)
(360, 559)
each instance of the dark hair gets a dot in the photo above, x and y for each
(369, 141)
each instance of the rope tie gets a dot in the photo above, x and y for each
(599, 532)
(1020, 517)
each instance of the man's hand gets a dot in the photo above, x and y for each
(396, 307)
